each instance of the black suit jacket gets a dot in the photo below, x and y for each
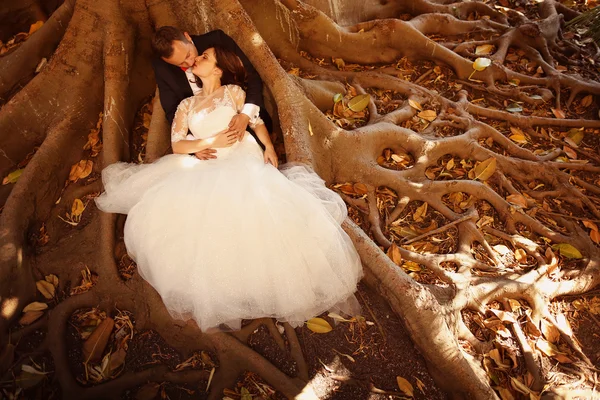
(173, 83)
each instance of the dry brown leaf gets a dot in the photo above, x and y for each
(586, 101)
(520, 255)
(590, 225)
(360, 188)
(405, 386)
(117, 359)
(505, 394)
(81, 170)
(546, 347)
(595, 236)
(519, 386)
(30, 317)
(558, 113)
(420, 212)
(504, 316)
(484, 49)
(550, 332)
(494, 354)
(53, 279)
(394, 254)
(564, 324)
(94, 346)
(517, 199)
(521, 139)
(450, 164)
(572, 154)
(485, 169)
(45, 288)
(420, 385)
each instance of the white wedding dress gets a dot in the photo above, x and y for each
(233, 238)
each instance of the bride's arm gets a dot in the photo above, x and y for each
(179, 130)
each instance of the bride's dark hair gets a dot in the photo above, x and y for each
(231, 65)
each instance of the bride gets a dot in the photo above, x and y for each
(232, 238)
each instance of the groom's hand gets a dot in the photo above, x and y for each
(238, 125)
(206, 154)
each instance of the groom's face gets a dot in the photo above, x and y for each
(184, 53)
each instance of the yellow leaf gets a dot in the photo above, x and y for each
(484, 49)
(521, 139)
(35, 306)
(77, 208)
(576, 136)
(415, 105)
(558, 113)
(359, 103)
(13, 177)
(35, 27)
(586, 101)
(481, 63)
(428, 115)
(53, 279)
(520, 255)
(567, 250)
(485, 169)
(318, 325)
(339, 63)
(450, 164)
(393, 252)
(80, 170)
(46, 289)
(405, 386)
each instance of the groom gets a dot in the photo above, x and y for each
(176, 52)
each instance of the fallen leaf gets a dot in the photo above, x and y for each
(46, 289)
(339, 63)
(359, 103)
(405, 386)
(337, 97)
(53, 279)
(29, 377)
(576, 136)
(586, 101)
(519, 386)
(549, 331)
(338, 317)
(360, 188)
(546, 347)
(318, 325)
(428, 115)
(450, 164)
(558, 113)
(484, 49)
(310, 131)
(420, 385)
(567, 250)
(393, 252)
(30, 317)
(94, 346)
(563, 324)
(504, 316)
(34, 27)
(481, 63)
(505, 394)
(517, 199)
(595, 236)
(590, 225)
(415, 104)
(485, 169)
(521, 139)
(514, 108)
(520, 255)
(572, 154)
(117, 359)
(35, 306)
(81, 170)
(13, 177)
(420, 212)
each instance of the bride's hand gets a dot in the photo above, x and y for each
(223, 139)
(271, 157)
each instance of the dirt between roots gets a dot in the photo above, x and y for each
(354, 361)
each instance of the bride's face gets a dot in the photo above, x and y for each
(205, 64)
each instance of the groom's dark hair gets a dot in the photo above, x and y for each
(162, 42)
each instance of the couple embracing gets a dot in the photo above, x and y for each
(215, 227)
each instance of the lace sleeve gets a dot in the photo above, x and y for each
(239, 97)
(179, 129)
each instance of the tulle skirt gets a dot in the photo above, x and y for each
(234, 238)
